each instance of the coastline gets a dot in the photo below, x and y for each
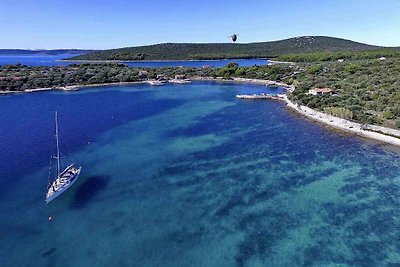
(159, 60)
(272, 62)
(70, 87)
(366, 131)
(245, 80)
(373, 132)
(196, 78)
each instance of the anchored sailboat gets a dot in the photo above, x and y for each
(64, 179)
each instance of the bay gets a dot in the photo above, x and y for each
(188, 175)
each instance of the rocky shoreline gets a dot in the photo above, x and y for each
(377, 133)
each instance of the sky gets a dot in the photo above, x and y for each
(101, 24)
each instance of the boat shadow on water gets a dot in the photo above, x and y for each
(88, 190)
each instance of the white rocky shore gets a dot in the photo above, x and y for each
(378, 133)
(367, 131)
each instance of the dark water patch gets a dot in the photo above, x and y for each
(188, 182)
(173, 169)
(355, 187)
(186, 236)
(340, 215)
(178, 176)
(368, 253)
(88, 190)
(123, 191)
(312, 254)
(286, 184)
(364, 228)
(262, 231)
(22, 229)
(230, 118)
(277, 186)
(226, 208)
(49, 252)
(383, 222)
(321, 254)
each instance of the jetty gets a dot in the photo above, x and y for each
(262, 96)
(178, 81)
(155, 82)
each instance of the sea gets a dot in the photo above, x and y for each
(56, 60)
(188, 175)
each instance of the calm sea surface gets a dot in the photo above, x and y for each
(53, 60)
(187, 175)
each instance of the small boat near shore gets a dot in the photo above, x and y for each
(155, 82)
(262, 96)
(180, 81)
(64, 179)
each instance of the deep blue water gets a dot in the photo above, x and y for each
(35, 60)
(53, 60)
(188, 175)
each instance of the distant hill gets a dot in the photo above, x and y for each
(44, 51)
(192, 51)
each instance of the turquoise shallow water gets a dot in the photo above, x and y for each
(190, 176)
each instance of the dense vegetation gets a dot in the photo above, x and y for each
(19, 77)
(365, 90)
(342, 55)
(368, 89)
(187, 51)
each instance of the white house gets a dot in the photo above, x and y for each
(320, 91)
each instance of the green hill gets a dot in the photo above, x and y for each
(187, 51)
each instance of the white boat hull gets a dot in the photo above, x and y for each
(51, 195)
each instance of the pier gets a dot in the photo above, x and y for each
(262, 96)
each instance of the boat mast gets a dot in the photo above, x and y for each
(58, 149)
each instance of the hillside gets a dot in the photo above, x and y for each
(188, 51)
(44, 51)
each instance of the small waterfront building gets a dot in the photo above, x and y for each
(320, 91)
(180, 77)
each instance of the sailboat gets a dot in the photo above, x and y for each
(65, 179)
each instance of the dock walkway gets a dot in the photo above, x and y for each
(262, 96)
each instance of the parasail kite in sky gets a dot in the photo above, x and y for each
(234, 37)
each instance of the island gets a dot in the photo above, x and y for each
(210, 51)
(356, 91)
